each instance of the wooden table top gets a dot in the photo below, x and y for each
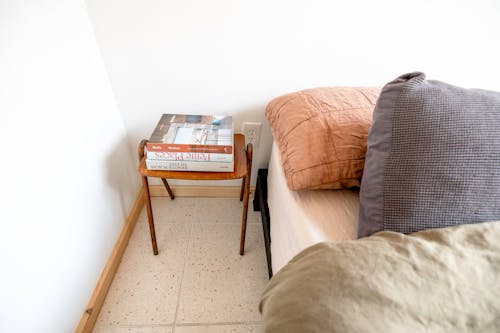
(240, 167)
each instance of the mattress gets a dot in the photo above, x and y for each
(300, 219)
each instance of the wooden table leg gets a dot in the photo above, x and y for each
(169, 190)
(249, 152)
(242, 191)
(147, 198)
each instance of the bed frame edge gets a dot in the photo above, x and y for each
(260, 204)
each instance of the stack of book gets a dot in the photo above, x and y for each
(192, 143)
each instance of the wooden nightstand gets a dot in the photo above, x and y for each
(242, 169)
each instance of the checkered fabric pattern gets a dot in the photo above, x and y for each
(443, 167)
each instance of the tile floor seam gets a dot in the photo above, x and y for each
(143, 325)
(182, 275)
(218, 222)
(219, 323)
(232, 223)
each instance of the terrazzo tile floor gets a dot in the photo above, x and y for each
(198, 282)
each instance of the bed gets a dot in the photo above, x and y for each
(301, 219)
(395, 230)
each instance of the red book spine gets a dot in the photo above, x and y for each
(185, 148)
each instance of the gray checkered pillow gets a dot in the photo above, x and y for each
(433, 157)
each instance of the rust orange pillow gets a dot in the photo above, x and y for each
(322, 135)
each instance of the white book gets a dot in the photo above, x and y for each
(190, 166)
(188, 156)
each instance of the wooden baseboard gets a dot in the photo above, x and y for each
(198, 191)
(94, 306)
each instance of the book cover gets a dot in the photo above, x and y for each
(188, 156)
(190, 166)
(193, 133)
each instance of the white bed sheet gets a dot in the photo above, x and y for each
(300, 219)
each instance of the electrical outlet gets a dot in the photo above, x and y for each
(252, 133)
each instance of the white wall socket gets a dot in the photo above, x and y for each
(252, 133)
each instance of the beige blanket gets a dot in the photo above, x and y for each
(441, 280)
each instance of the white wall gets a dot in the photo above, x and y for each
(230, 56)
(68, 179)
